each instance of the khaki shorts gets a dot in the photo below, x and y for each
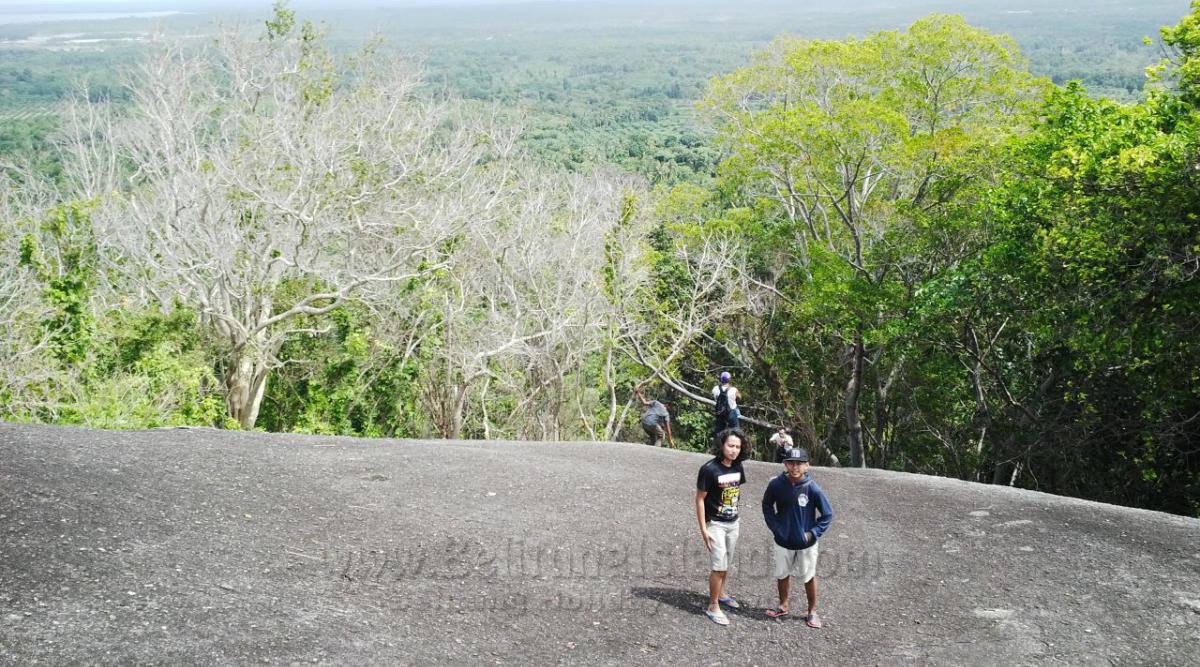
(798, 563)
(724, 537)
(654, 434)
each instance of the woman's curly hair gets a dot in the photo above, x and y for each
(747, 448)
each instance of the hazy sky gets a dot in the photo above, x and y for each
(56, 6)
(164, 5)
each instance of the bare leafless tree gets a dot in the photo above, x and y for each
(711, 288)
(256, 181)
(26, 370)
(521, 307)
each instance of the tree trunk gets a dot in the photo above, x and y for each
(882, 456)
(245, 381)
(1001, 473)
(853, 389)
(611, 424)
(458, 416)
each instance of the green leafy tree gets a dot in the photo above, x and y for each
(847, 151)
(1106, 212)
(1078, 314)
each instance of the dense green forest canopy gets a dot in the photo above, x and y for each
(908, 234)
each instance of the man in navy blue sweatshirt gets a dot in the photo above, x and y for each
(790, 507)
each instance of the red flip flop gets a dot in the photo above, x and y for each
(776, 612)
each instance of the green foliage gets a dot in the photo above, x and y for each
(281, 23)
(1184, 38)
(692, 428)
(165, 386)
(63, 258)
(350, 385)
(140, 369)
(614, 252)
(1079, 304)
(1108, 208)
(854, 166)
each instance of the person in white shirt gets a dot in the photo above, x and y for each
(782, 442)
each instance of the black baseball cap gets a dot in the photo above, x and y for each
(796, 454)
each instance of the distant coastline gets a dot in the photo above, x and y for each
(47, 17)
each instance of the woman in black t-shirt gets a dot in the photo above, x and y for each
(718, 489)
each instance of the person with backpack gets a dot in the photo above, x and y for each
(725, 410)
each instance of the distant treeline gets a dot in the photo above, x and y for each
(614, 82)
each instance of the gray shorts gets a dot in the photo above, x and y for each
(724, 537)
(798, 563)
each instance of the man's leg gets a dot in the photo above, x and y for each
(718, 563)
(810, 591)
(716, 588)
(731, 540)
(808, 574)
(784, 560)
(785, 589)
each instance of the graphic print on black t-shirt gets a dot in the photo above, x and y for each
(730, 485)
(723, 490)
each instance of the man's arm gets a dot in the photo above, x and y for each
(768, 508)
(637, 391)
(670, 440)
(700, 495)
(826, 514)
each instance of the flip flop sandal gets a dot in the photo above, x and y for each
(776, 612)
(730, 602)
(717, 617)
(813, 621)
